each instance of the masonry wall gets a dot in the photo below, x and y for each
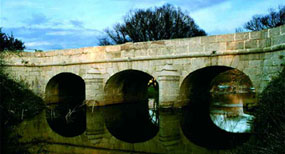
(258, 54)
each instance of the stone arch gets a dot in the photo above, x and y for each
(131, 114)
(66, 113)
(127, 86)
(196, 97)
(109, 74)
(231, 62)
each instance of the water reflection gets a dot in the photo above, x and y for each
(153, 110)
(118, 129)
(66, 113)
(67, 119)
(210, 110)
(231, 92)
(131, 122)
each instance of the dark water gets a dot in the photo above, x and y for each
(131, 122)
(132, 127)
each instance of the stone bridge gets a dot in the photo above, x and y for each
(183, 70)
(123, 70)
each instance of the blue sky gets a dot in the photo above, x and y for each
(63, 24)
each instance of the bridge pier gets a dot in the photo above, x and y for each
(94, 87)
(168, 80)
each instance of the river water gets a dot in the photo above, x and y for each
(133, 127)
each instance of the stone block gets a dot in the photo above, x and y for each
(255, 63)
(209, 47)
(242, 65)
(158, 42)
(235, 62)
(255, 35)
(184, 42)
(113, 48)
(141, 45)
(251, 44)
(264, 43)
(194, 40)
(268, 62)
(265, 34)
(225, 60)
(253, 57)
(172, 43)
(100, 49)
(193, 47)
(214, 61)
(127, 46)
(179, 50)
(241, 36)
(225, 38)
(209, 39)
(274, 31)
(235, 45)
(271, 69)
(276, 40)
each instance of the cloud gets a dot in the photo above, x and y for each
(55, 38)
(18, 4)
(190, 5)
(200, 4)
(37, 43)
(37, 19)
(76, 23)
(4, 18)
(59, 33)
(229, 15)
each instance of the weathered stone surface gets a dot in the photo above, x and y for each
(209, 39)
(278, 40)
(225, 38)
(252, 52)
(235, 45)
(250, 44)
(255, 35)
(274, 31)
(264, 43)
(241, 36)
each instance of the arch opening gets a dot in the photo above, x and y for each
(215, 112)
(66, 113)
(132, 111)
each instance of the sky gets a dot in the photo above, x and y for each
(64, 24)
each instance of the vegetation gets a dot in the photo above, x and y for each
(17, 103)
(273, 19)
(269, 125)
(166, 22)
(9, 43)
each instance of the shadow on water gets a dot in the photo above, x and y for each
(132, 117)
(66, 120)
(198, 127)
(196, 122)
(66, 113)
(131, 122)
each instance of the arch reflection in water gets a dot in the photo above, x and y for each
(130, 122)
(66, 113)
(231, 95)
(133, 117)
(197, 124)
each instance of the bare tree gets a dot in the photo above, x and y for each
(273, 19)
(165, 22)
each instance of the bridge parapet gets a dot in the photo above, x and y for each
(258, 54)
(229, 44)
